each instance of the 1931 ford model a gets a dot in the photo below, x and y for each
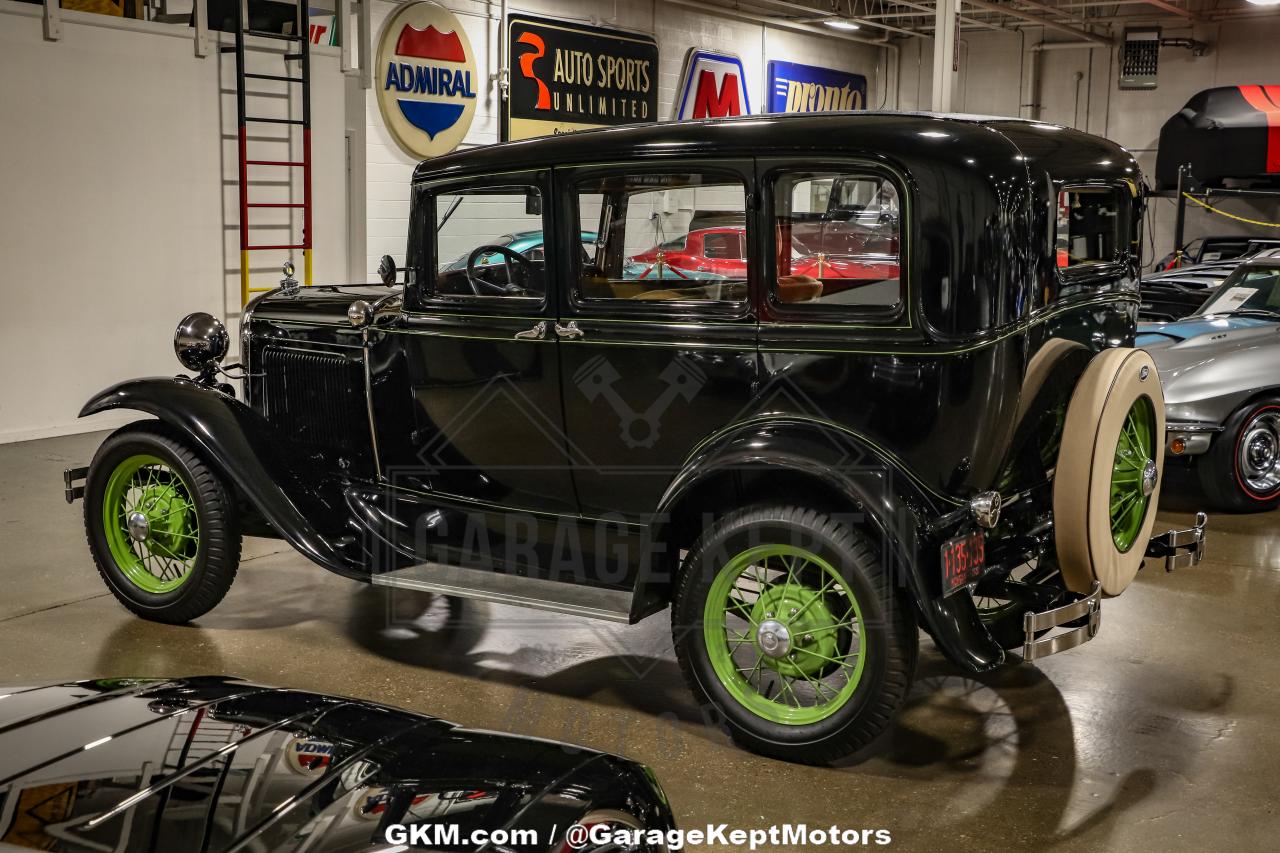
(895, 408)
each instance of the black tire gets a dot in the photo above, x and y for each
(1220, 471)
(889, 641)
(217, 553)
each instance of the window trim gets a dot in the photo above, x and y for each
(429, 300)
(896, 317)
(1082, 273)
(568, 180)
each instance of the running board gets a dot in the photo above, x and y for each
(486, 585)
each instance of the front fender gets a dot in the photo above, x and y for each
(242, 446)
(891, 504)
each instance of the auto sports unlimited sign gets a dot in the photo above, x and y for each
(567, 77)
(796, 88)
(426, 79)
(714, 85)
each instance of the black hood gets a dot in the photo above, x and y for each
(323, 303)
(221, 761)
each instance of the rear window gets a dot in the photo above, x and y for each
(1089, 230)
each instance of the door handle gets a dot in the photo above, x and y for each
(537, 333)
(569, 332)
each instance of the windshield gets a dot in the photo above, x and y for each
(1247, 289)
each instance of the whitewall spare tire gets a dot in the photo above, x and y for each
(1110, 466)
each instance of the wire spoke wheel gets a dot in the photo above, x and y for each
(785, 634)
(1133, 474)
(151, 524)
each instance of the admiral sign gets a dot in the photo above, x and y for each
(796, 88)
(567, 77)
(714, 85)
(426, 79)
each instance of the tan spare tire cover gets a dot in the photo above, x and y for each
(1116, 382)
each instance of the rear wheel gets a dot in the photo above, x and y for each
(160, 525)
(1241, 471)
(786, 621)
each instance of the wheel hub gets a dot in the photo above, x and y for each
(773, 638)
(1259, 454)
(139, 527)
(1150, 475)
(1262, 451)
(795, 631)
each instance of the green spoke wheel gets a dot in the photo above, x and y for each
(151, 524)
(1133, 474)
(161, 525)
(791, 631)
(785, 634)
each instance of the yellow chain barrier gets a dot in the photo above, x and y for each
(1213, 209)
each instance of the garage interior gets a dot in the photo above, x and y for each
(120, 214)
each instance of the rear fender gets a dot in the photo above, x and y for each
(844, 473)
(243, 447)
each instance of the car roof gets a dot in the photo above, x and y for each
(932, 136)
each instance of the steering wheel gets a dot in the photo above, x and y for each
(483, 288)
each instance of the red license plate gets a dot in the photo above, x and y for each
(963, 559)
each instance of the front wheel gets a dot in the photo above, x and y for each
(786, 621)
(1241, 471)
(161, 525)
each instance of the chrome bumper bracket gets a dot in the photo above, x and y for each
(1088, 608)
(73, 483)
(1180, 548)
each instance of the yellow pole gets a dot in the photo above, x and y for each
(244, 278)
(306, 267)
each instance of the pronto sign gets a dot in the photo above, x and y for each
(796, 88)
(426, 79)
(567, 77)
(714, 85)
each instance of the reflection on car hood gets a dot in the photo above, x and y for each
(1204, 357)
(277, 766)
(1197, 331)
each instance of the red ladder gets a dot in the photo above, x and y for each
(300, 44)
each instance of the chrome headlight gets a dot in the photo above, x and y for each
(360, 313)
(200, 341)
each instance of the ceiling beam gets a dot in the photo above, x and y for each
(1173, 10)
(1035, 19)
(925, 11)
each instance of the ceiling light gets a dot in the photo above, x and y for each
(1265, 2)
(846, 24)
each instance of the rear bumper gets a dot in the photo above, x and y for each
(1085, 613)
(1178, 549)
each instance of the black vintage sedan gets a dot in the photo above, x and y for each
(220, 764)
(806, 467)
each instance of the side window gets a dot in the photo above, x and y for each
(664, 237)
(1089, 228)
(838, 241)
(489, 242)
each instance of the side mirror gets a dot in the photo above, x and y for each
(387, 270)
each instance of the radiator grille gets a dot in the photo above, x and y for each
(315, 398)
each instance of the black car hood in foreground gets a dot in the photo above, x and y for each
(216, 764)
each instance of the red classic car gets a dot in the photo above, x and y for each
(721, 253)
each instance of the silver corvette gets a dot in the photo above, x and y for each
(1220, 368)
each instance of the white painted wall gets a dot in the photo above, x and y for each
(1078, 88)
(676, 29)
(120, 212)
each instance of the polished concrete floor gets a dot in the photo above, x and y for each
(1161, 734)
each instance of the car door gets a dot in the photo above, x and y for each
(657, 346)
(487, 432)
